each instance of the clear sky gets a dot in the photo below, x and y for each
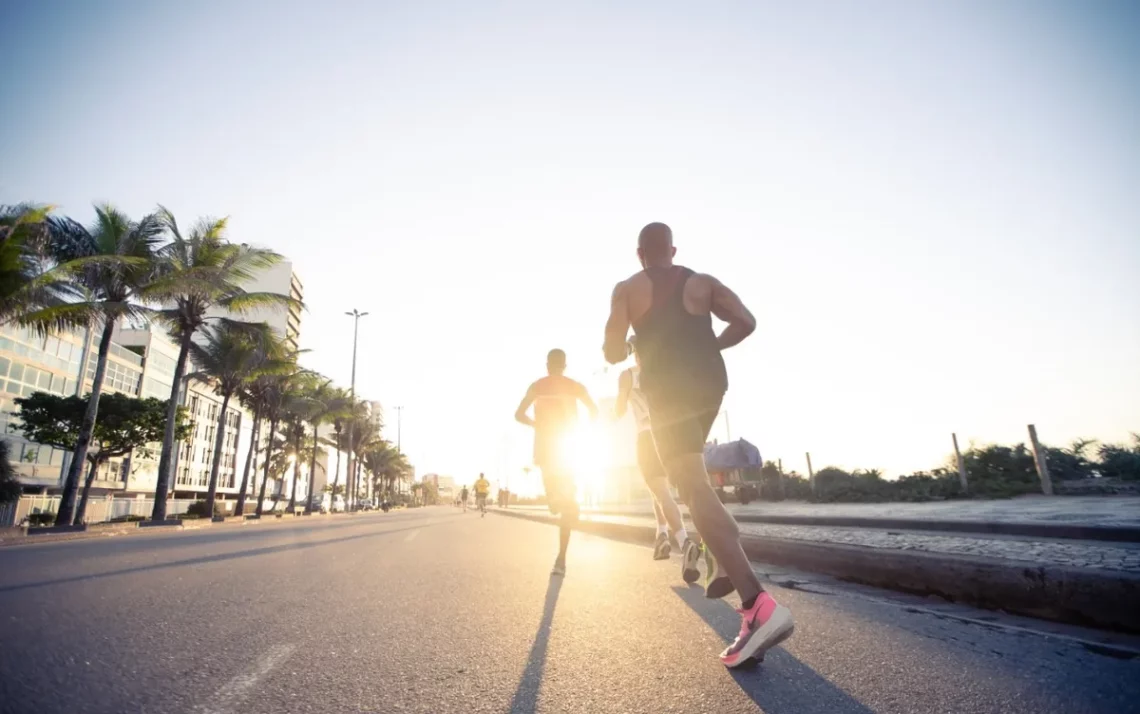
(931, 207)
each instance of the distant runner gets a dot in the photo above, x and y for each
(482, 489)
(463, 498)
(653, 471)
(684, 379)
(555, 398)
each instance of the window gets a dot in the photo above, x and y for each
(4, 364)
(45, 380)
(31, 374)
(13, 388)
(17, 371)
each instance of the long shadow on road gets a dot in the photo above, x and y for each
(208, 559)
(781, 684)
(526, 696)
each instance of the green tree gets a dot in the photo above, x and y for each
(275, 393)
(387, 465)
(10, 489)
(326, 403)
(108, 265)
(24, 259)
(125, 424)
(230, 356)
(202, 271)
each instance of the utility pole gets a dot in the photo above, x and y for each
(350, 477)
(399, 432)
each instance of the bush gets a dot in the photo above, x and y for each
(1119, 461)
(129, 518)
(41, 519)
(198, 509)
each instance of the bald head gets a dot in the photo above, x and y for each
(655, 245)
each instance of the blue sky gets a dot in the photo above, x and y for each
(931, 207)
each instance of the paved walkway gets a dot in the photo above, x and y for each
(1084, 554)
(1086, 510)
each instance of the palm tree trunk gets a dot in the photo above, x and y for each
(268, 460)
(348, 475)
(82, 510)
(254, 437)
(312, 468)
(66, 511)
(300, 431)
(336, 477)
(166, 459)
(212, 490)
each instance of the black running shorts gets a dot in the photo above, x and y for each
(681, 422)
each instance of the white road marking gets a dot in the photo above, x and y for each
(411, 535)
(227, 698)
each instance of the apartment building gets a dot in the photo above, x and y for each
(286, 322)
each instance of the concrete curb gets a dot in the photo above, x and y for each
(1081, 596)
(1029, 529)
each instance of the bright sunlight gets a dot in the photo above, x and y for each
(591, 455)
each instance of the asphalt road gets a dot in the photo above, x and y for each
(438, 611)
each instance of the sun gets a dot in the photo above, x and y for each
(591, 457)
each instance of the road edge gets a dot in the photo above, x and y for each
(1088, 597)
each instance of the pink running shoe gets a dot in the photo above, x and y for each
(765, 625)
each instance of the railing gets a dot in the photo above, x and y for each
(99, 509)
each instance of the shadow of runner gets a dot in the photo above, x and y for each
(526, 696)
(781, 684)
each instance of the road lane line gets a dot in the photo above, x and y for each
(227, 698)
(411, 536)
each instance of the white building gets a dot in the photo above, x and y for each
(286, 322)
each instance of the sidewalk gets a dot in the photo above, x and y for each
(1096, 518)
(1123, 557)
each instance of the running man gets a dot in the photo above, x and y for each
(463, 498)
(653, 471)
(555, 398)
(482, 489)
(684, 379)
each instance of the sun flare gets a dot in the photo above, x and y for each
(591, 456)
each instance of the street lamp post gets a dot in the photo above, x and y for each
(399, 413)
(351, 477)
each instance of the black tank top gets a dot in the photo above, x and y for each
(679, 352)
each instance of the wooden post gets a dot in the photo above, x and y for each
(811, 473)
(961, 465)
(1042, 466)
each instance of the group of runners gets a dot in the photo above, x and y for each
(675, 392)
(482, 488)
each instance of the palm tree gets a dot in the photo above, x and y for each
(23, 258)
(231, 355)
(276, 390)
(253, 395)
(326, 403)
(122, 265)
(201, 272)
(296, 409)
(356, 426)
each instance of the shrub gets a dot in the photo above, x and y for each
(129, 518)
(198, 509)
(41, 519)
(1119, 461)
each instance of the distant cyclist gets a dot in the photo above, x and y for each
(463, 498)
(482, 489)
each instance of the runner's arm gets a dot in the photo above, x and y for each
(625, 385)
(585, 398)
(616, 348)
(729, 308)
(520, 414)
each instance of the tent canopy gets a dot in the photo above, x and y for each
(739, 454)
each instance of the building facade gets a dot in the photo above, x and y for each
(286, 322)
